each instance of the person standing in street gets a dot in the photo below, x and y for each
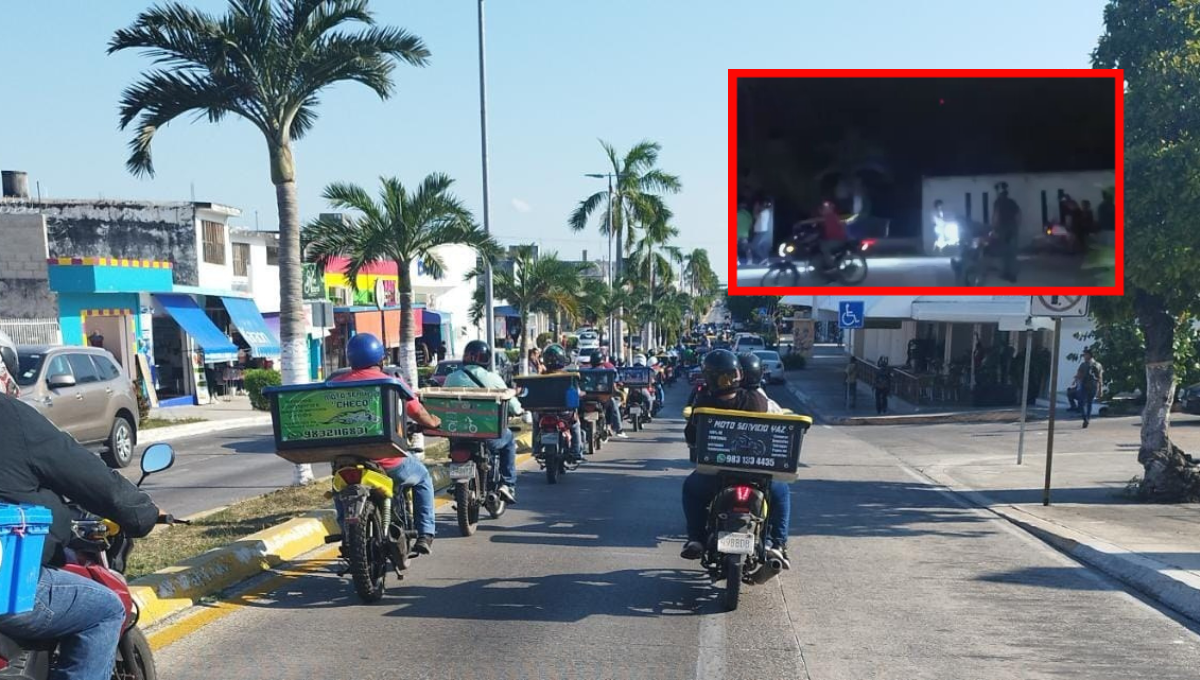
(1085, 223)
(1006, 220)
(1106, 213)
(883, 385)
(851, 383)
(745, 226)
(760, 247)
(1090, 379)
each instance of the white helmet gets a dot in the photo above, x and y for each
(639, 360)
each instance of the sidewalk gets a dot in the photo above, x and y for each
(821, 386)
(218, 416)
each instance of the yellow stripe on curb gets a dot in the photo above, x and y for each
(171, 591)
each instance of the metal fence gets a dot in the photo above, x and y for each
(32, 331)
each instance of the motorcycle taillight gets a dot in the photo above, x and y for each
(351, 475)
(548, 423)
(460, 455)
(742, 493)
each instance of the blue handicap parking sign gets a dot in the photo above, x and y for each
(850, 314)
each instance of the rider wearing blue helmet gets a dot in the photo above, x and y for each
(365, 354)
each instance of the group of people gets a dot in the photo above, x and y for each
(1077, 216)
(756, 231)
(882, 383)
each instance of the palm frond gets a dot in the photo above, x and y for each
(579, 217)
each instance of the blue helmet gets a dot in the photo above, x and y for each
(364, 351)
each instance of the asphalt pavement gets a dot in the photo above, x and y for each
(892, 577)
(216, 469)
(925, 271)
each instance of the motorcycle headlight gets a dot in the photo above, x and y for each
(952, 233)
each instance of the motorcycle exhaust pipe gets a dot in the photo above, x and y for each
(775, 563)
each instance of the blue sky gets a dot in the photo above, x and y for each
(561, 73)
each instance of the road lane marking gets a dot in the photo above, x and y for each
(710, 655)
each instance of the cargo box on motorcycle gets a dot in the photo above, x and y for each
(550, 392)
(740, 441)
(467, 413)
(23, 530)
(598, 380)
(319, 422)
(634, 376)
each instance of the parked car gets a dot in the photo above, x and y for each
(444, 368)
(748, 343)
(85, 393)
(1189, 399)
(589, 340)
(772, 365)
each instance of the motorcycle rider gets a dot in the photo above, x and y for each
(612, 407)
(476, 358)
(555, 360)
(723, 390)
(833, 235)
(365, 354)
(39, 465)
(752, 373)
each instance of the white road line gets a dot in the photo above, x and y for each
(710, 656)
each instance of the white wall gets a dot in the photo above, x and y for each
(262, 280)
(451, 293)
(1025, 189)
(216, 276)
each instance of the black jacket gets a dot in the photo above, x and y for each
(743, 400)
(40, 464)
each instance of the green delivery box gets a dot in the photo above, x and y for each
(467, 413)
(318, 422)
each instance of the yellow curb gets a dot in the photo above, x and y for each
(169, 591)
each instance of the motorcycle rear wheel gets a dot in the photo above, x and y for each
(733, 581)
(135, 660)
(552, 468)
(368, 566)
(465, 499)
(852, 270)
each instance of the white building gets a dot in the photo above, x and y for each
(254, 259)
(1036, 194)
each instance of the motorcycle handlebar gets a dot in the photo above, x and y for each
(168, 518)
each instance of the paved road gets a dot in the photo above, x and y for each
(217, 469)
(891, 579)
(926, 271)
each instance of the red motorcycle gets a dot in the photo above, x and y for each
(552, 443)
(98, 551)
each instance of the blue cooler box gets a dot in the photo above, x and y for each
(23, 530)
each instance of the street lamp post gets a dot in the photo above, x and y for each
(614, 324)
(487, 285)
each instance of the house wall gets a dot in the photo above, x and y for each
(262, 280)
(24, 288)
(1025, 189)
(124, 229)
(72, 305)
(210, 275)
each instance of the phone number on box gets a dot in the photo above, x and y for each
(747, 460)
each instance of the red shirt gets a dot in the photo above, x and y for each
(373, 373)
(832, 228)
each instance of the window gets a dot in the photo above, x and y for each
(83, 368)
(241, 259)
(58, 366)
(108, 370)
(214, 242)
(273, 256)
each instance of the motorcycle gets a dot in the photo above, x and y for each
(98, 550)
(475, 473)
(976, 256)
(594, 424)
(637, 407)
(552, 443)
(849, 264)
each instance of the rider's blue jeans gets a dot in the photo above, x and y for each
(506, 448)
(412, 472)
(699, 490)
(83, 615)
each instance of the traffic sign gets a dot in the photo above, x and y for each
(851, 314)
(1058, 305)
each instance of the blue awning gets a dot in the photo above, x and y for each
(217, 347)
(507, 310)
(252, 326)
(432, 318)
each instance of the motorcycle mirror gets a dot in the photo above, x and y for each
(156, 458)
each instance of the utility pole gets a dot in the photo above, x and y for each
(487, 284)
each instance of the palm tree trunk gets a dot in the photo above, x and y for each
(408, 341)
(1169, 476)
(293, 340)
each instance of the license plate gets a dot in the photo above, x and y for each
(635, 410)
(462, 470)
(593, 416)
(735, 544)
(549, 440)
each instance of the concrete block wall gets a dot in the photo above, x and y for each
(24, 287)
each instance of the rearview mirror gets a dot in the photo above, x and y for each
(60, 380)
(156, 458)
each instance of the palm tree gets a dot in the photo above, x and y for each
(266, 61)
(698, 273)
(403, 227)
(535, 284)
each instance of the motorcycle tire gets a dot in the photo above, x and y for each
(973, 275)
(853, 269)
(135, 660)
(733, 581)
(591, 440)
(464, 503)
(368, 566)
(553, 466)
(637, 423)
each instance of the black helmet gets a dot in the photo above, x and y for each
(477, 353)
(722, 372)
(8, 354)
(751, 370)
(555, 358)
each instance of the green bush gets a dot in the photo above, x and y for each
(572, 342)
(793, 362)
(544, 339)
(256, 379)
(514, 355)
